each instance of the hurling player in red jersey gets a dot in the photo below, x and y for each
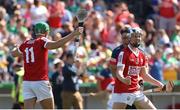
(125, 35)
(114, 57)
(131, 65)
(36, 86)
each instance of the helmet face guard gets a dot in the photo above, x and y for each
(40, 29)
(136, 33)
(126, 32)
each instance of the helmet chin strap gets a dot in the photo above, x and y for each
(135, 45)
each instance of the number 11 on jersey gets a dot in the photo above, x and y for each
(29, 55)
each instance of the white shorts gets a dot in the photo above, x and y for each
(127, 98)
(39, 89)
(109, 104)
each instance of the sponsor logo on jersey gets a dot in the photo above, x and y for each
(134, 70)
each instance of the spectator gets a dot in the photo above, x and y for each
(154, 12)
(171, 64)
(87, 4)
(108, 22)
(9, 5)
(175, 39)
(4, 34)
(114, 36)
(27, 13)
(11, 25)
(156, 69)
(20, 28)
(100, 6)
(131, 21)
(150, 32)
(65, 14)
(121, 13)
(167, 13)
(3, 14)
(96, 26)
(73, 5)
(163, 38)
(94, 50)
(3, 64)
(70, 93)
(57, 79)
(17, 91)
(66, 29)
(39, 12)
(55, 18)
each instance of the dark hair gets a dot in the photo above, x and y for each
(69, 54)
(56, 65)
(159, 50)
(93, 45)
(126, 30)
(36, 2)
(116, 4)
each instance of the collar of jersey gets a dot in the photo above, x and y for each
(136, 53)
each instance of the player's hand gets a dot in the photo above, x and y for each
(168, 87)
(141, 85)
(161, 85)
(78, 31)
(127, 80)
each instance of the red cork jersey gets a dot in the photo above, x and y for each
(35, 59)
(133, 64)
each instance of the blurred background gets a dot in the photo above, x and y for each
(159, 20)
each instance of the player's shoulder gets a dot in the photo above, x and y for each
(143, 53)
(43, 38)
(141, 49)
(118, 49)
(25, 42)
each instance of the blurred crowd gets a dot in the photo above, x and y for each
(160, 40)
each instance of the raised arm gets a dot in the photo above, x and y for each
(61, 42)
(147, 77)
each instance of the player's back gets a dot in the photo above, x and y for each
(115, 54)
(35, 59)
